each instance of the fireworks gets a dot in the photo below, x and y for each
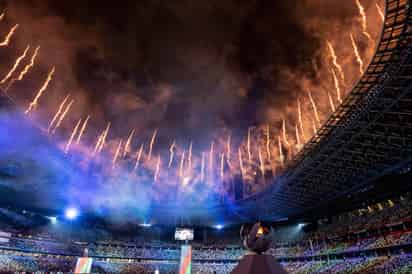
(301, 120)
(356, 51)
(335, 63)
(102, 139)
(331, 103)
(268, 142)
(249, 153)
(222, 166)
(138, 157)
(242, 169)
(182, 162)
(337, 87)
(298, 142)
(33, 104)
(58, 112)
(6, 40)
(74, 132)
(62, 116)
(281, 156)
(189, 158)
(314, 107)
(315, 129)
(82, 129)
(171, 150)
(157, 170)
(1, 16)
(363, 20)
(380, 11)
(202, 168)
(26, 69)
(127, 143)
(212, 146)
(116, 154)
(152, 140)
(284, 134)
(261, 162)
(16, 64)
(228, 147)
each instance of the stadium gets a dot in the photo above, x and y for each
(208, 137)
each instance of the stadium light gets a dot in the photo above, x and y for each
(53, 220)
(219, 227)
(146, 225)
(301, 225)
(71, 213)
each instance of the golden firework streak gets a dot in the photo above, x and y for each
(335, 61)
(6, 40)
(58, 112)
(363, 20)
(182, 162)
(171, 150)
(337, 87)
(331, 103)
(33, 104)
(222, 166)
(202, 168)
(285, 137)
(62, 116)
(83, 128)
(380, 11)
(261, 162)
(151, 144)
(128, 143)
(15, 65)
(249, 153)
(26, 69)
(242, 170)
(212, 145)
(138, 157)
(116, 154)
(74, 132)
(357, 55)
(157, 170)
(281, 156)
(268, 142)
(314, 107)
(301, 120)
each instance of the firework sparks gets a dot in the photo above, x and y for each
(337, 87)
(363, 20)
(62, 116)
(281, 156)
(249, 153)
(242, 169)
(380, 11)
(202, 168)
(268, 142)
(138, 157)
(117, 153)
(298, 142)
(301, 120)
(285, 137)
(83, 128)
(6, 40)
(228, 147)
(314, 107)
(58, 112)
(15, 65)
(171, 150)
(261, 162)
(1, 16)
(104, 137)
(331, 103)
(356, 51)
(212, 145)
(157, 170)
(182, 162)
(26, 69)
(33, 104)
(189, 158)
(222, 166)
(128, 143)
(335, 63)
(74, 132)
(152, 140)
(315, 129)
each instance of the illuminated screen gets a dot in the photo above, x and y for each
(186, 259)
(183, 234)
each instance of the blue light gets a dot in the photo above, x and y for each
(53, 220)
(71, 213)
(146, 225)
(219, 227)
(301, 225)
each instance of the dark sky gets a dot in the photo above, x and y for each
(187, 67)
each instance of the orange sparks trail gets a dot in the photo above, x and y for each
(337, 87)
(6, 40)
(298, 142)
(64, 114)
(189, 158)
(116, 154)
(138, 157)
(356, 51)
(268, 142)
(261, 162)
(281, 156)
(363, 20)
(26, 68)
(15, 65)
(202, 168)
(182, 162)
(285, 137)
(228, 147)
(74, 132)
(380, 11)
(301, 120)
(171, 149)
(104, 137)
(79, 137)
(222, 166)
(157, 170)
(242, 170)
(335, 61)
(151, 144)
(331, 103)
(58, 112)
(1, 16)
(212, 145)
(249, 153)
(314, 127)
(33, 104)
(314, 107)
(127, 144)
